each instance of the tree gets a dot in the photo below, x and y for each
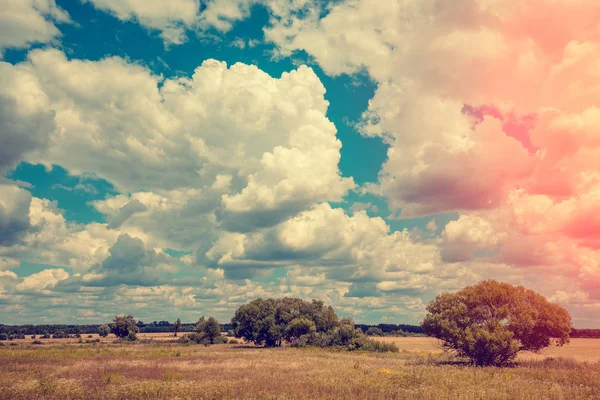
(491, 322)
(103, 330)
(206, 332)
(125, 327)
(177, 326)
(265, 322)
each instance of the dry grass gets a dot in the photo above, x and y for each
(579, 349)
(173, 371)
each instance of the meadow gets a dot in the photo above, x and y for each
(157, 369)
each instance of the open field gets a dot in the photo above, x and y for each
(579, 349)
(163, 370)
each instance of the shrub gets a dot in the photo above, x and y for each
(33, 336)
(90, 336)
(374, 331)
(60, 335)
(37, 342)
(103, 330)
(206, 332)
(345, 336)
(233, 341)
(3, 336)
(220, 340)
(491, 322)
(46, 335)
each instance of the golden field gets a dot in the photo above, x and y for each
(163, 370)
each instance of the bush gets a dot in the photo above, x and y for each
(37, 342)
(103, 330)
(220, 340)
(60, 335)
(345, 336)
(90, 336)
(206, 332)
(46, 335)
(33, 336)
(491, 322)
(373, 331)
(3, 336)
(233, 341)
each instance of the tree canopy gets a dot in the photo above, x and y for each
(271, 321)
(491, 322)
(124, 326)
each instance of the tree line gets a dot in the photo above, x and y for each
(488, 323)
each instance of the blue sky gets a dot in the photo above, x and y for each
(178, 161)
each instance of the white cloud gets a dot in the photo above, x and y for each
(42, 281)
(235, 121)
(172, 18)
(24, 22)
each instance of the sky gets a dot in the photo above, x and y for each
(178, 159)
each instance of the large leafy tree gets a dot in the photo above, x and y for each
(491, 322)
(272, 321)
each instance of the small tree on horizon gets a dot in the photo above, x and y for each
(177, 326)
(103, 330)
(490, 322)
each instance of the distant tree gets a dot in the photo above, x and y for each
(125, 327)
(374, 331)
(210, 328)
(177, 326)
(491, 322)
(46, 335)
(103, 330)
(206, 332)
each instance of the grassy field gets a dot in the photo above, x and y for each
(162, 370)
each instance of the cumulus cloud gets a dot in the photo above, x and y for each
(271, 136)
(489, 109)
(14, 214)
(25, 22)
(172, 18)
(42, 281)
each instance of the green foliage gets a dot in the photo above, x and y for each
(60, 335)
(298, 327)
(103, 330)
(346, 335)
(491, 322)
(125, 327)
(265, 322)
(373, 331)
(206, 332)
